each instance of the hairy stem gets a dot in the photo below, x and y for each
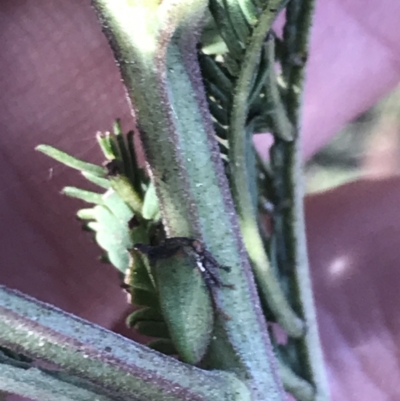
(38, 385)
(239, 145)
(294, 262)
(165, 86)
(104, 359)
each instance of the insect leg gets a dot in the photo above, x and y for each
(213, 262)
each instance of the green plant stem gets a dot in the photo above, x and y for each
(281, 124)
(164, 83)
(296, 36)
(301, 389)
(104, 359)
(240, 180)
(37, 385)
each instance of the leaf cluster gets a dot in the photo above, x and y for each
(123, 213)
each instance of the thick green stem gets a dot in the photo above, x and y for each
(160, 70)
(239, 144)
(104, 359)
(37, 385)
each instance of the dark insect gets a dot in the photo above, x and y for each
(114, 168)
(193, 248)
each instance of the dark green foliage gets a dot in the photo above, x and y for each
(250, 88)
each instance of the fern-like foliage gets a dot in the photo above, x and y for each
(244, 100)
(246, 71)
(124, 212)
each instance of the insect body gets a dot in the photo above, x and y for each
(204, 260)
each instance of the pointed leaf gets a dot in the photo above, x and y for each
(101, 182)
(123, 187)
(144, 314)
(87, 196)
(138, 275)
(150, 204)
(118, 207)
(113, 236)
(71, 161)
(86, 214)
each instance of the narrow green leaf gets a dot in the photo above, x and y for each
(139, 275)
(150, 207)
(92, 226)
(225, 28)
(218, 112)
(138, 174)
(144, 314)
(232, 65)
(123, 187)
(127, 163)
(259, 3)
(71, 161)
(222, 135)
(234, 13)
(118, 207)
(213, 45)
(101, 182)
(249, 11)
(117, 128)
(107, 145)
(113, 236)
(259, 80)
(217, 94)
(87, 196)
(211, 40)
(86, 214)
(214, 72)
